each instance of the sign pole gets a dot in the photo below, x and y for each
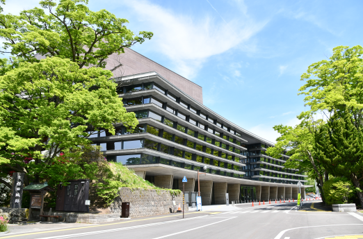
(183, 200)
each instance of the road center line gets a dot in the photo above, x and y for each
(331, 225)
(195, 228)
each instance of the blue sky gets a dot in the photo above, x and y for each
(247, 55)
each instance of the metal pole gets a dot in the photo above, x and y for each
(183, 200)
(198, 184)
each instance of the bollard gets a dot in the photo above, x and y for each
(252, 204)
(259, 203)
(263, 202)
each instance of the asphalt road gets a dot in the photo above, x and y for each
(241, 221)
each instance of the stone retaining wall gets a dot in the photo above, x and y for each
(144, 202)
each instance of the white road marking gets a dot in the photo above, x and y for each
(356, 216)
(265, 211)
(195, 228)
(246, 212)
(290, 209)
(275, 211)
(331, 225)
(255, 211)
(118, 229)
(287, 238)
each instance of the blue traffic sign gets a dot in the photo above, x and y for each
(185, 180)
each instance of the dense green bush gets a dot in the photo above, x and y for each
(338, 191)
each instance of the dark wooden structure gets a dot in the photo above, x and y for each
(37, 193)
(73, 197)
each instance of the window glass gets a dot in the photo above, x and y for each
(128, 159)
(191, 132)
(141, 114)
(203, 116)
(199, 147)
(210, 130)
(176, 164)
(93, 134)
(193, 122)
(200, 136)
(147, 159)
(201, 126)
(225, 128)
(150, 144)
(223, 155)
(180, 128)
(171, 110)
(148, 86)
(187, 166)
(133, 144)
(224, 146)
(215, 162)
(139, 129)
(155, 116)
(207, 160)
(164, 161)
(238, 134)
(172, 97)
(164, 148)
(103, 147)
(230, 148)
(219, 124)
(159, 89)
(196, 168)
(178, 152)
(216, 153)
(188, 155)
(118, 145)
(134, 101)
(133, 88)
(119, 90)
(217, 143)
(231, 139)
(199, 159)
(193, 110)
(225, 137)
(217, 133)
(152, 130)
(180, 115)
(183, 104)
(167, 135)
(230, 157)
(146, 100)
(190, 144)
(209, 140)
(102, 133)
(232, 131)
(210, 120)
(221, 164)
(179, 140)
(208, 150)
(238, 143)
(156, 102)
(168, 122)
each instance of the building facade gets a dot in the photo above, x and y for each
(178, 136)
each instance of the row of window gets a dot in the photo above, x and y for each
(272, 180)
(135, 159)
(150, 85)
(175, 125)
(272, 174)
(145, 143)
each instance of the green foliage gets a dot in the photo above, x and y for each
(70, 31)
(3, 224)
(338, 191)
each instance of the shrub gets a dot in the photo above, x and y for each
(337, 191)
(3, 224)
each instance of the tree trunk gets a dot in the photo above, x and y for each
(357, 185)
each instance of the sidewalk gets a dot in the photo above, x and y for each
(317, 206)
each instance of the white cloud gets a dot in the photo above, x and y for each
(188, 42)
(15, 7)
(287, 113)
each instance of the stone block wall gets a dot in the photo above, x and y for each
(145, 202)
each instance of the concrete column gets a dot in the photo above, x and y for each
(141, 174)
(265, 193)
(273, 193)
(234, 191)
(206, 192)
(220, 190)
(295, 192)
(281, 193)
(288, 192)
(189, 186)
(303, 193)
(164, 181)
(258, 193)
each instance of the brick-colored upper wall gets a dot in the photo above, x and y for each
(135, 63)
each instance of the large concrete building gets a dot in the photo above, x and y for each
(178, 136)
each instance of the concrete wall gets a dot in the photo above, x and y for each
(164, 181)
(281, 193)
(265, 193)
(258, 193)
(295, 192)
(220, 190)
(135, 63)
(233, 192)
(146, 202)
(273, 193)
(141, 174)
(206, 192)
(303, 193)
(189, 186)
(288, 192)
